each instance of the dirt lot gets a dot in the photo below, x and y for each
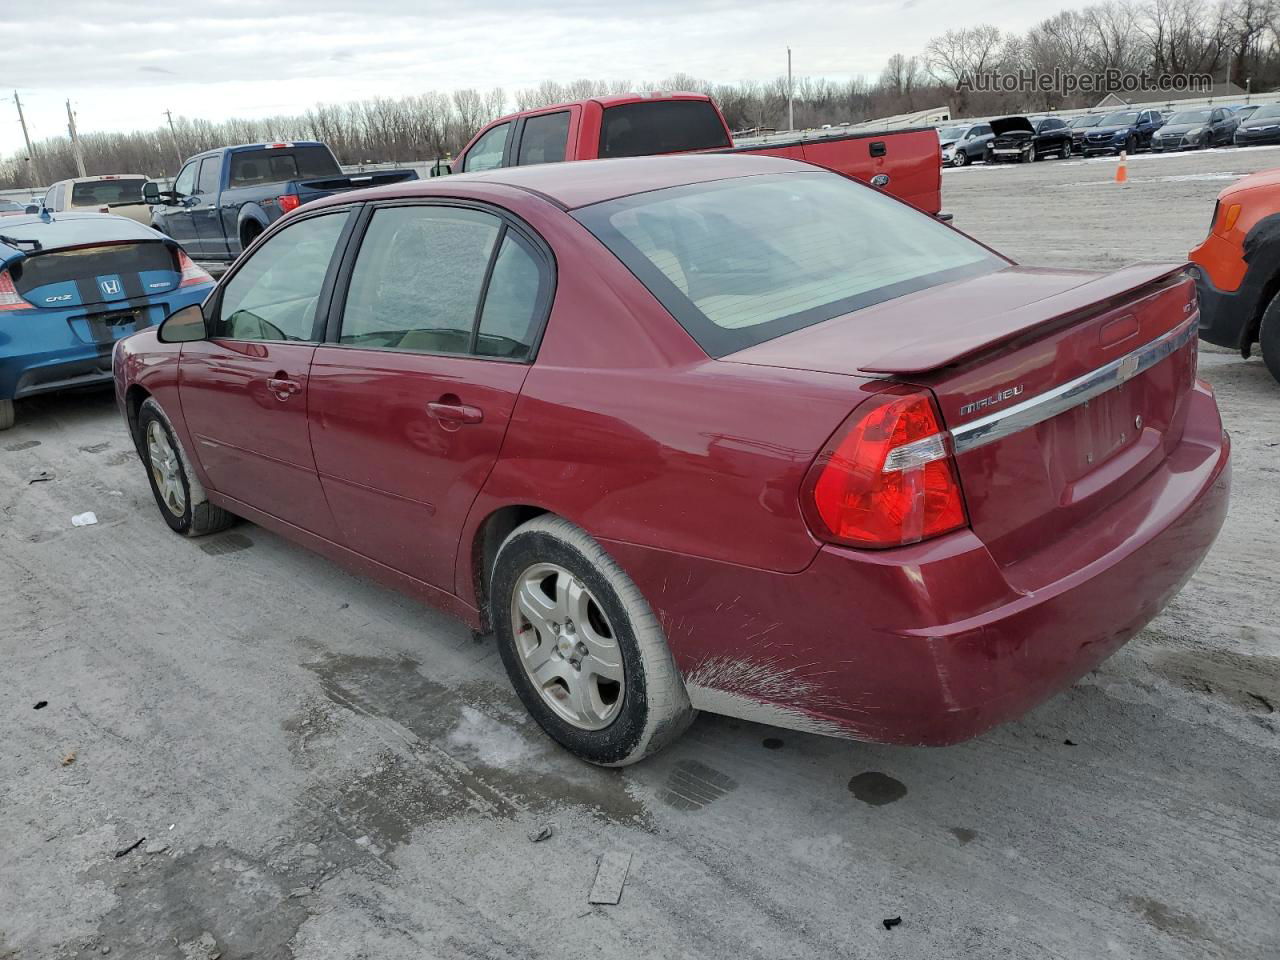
(322, 769)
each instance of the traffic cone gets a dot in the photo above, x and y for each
(1122, 172)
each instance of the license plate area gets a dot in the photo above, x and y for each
(104, 328)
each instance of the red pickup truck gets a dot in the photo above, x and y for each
(904, 162)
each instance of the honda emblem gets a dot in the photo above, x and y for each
(109, 288)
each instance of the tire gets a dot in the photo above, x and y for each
(1065, 152)
(1269, 337)
(6, 414)
(1131, 145)
(959, 159)
(179, 495)
(613, 720)
(1031, 154)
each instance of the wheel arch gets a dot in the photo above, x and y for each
(483, 548)
(134, 398)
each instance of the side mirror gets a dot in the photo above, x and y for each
(440, 169)
(151, 192)
(32, 208)
(184, 326)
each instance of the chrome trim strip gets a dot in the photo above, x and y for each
(1060, 399)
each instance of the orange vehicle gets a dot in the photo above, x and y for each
(1238, 269)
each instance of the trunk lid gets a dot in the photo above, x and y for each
(1063, 390)
(86, 276)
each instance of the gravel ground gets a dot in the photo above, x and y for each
(314, 767)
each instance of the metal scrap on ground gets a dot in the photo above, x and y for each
(611, 874)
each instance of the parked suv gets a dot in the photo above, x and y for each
(1189, 129)
(1025, 139)
(1238, 269)
(964, 143)
(1081, 125)
(1128, 130)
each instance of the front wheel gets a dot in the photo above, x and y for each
(178, 492)
(6, 414)
(1269, 337)
(582, 647)
(959, 158)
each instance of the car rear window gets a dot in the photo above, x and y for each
(96, 193)
(741, 261)
(661, 126)
(267, 165)
(89, 264)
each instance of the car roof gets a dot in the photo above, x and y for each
(585, 182)
(70, 230)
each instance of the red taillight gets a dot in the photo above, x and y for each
(288, 202)
(191, 274)
(887, 477)
(9, 299)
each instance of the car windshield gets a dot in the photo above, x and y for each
(97, 193)
(1120, 119)
(951, 133)
(741, 261)
(1190, 116)
(1091, 121)
(1270, 110)
(9, 206)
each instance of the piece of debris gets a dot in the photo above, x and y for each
(203, 948)
(542, 833)
(130, 848)
(87, 519)
(343, 606)
(41, 477)
(157, 847)
(105, 951)
(611, 875)
(1069, 743)
(891, 922)
(40, 704)
(69, 759)
(298, 892)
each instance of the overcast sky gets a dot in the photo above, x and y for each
(122, 64)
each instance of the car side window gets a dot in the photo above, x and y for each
(208, 180)
(273, 295)
(509, 317)
(488, 150)
(982, 130)
(545, 138)
(186, 180)
(417, 279)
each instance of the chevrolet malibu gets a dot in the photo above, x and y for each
(714, 433)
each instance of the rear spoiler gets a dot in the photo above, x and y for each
(965, 341)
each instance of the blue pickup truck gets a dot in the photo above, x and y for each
(222, 199)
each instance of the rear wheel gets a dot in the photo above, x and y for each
(582, 647)
(178, 492)
(6, 414)
(1269, 337)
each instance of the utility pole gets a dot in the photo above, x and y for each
(791, 106)
(75, 140)
(31, 156)
(174, 133)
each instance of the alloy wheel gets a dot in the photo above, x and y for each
(166, 470)
(567, 646)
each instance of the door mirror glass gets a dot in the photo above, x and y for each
(185, 326)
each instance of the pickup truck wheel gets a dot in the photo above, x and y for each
(249, 233)
(6, 414)
(178, 492)
(1269, 337)
(582, 647)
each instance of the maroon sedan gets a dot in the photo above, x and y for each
(706, 432)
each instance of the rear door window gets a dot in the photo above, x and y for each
(661, 126)
(275, 164)
(544, 139)
(273, 296)
(207, 182)
(488, 150)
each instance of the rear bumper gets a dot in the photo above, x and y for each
(1225, 315)
(43, 351)
(933, 644)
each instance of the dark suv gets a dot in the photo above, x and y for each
(1128, 130)
(1028, 138)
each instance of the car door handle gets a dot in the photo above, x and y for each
(455, 412)
(283, 388)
